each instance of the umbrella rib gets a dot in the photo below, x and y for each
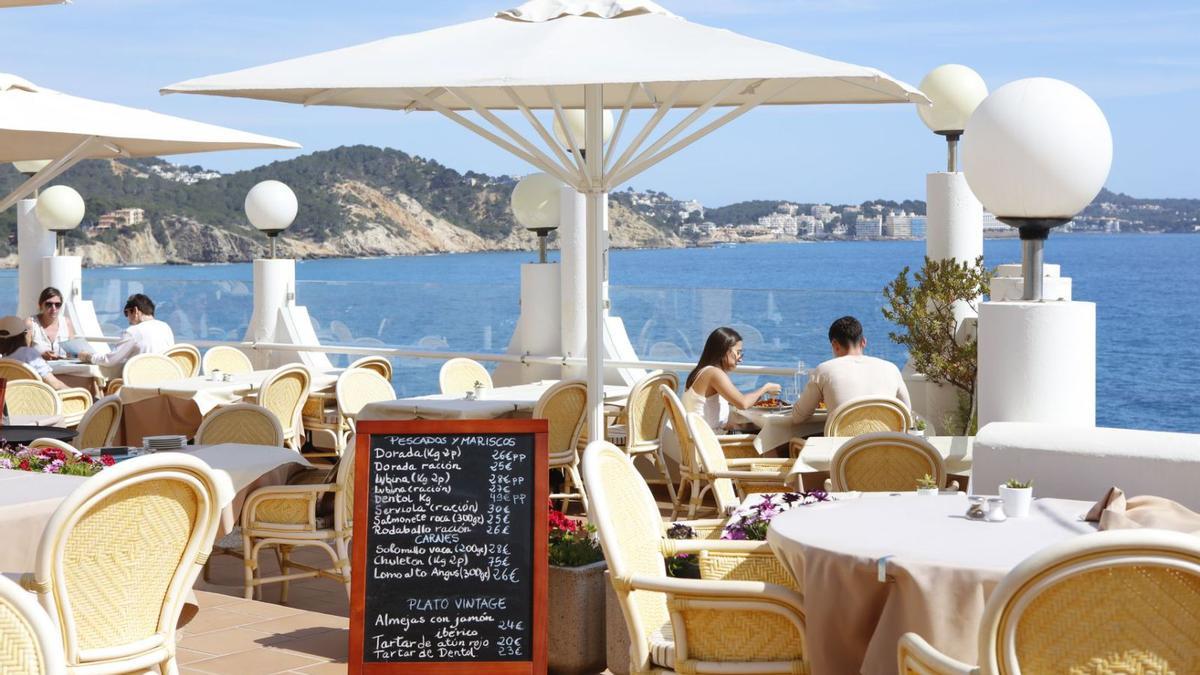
(50, 172)
(685, 123)
(562, 123)
(538, 126)
(616, 137)
(504, 127)
(459, 119)
(854, 82)
(634, 168)
(663, 109)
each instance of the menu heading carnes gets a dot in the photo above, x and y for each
(449, 569)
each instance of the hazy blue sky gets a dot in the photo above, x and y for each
(1139, 60)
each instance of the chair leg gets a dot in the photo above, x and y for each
(696, 495)
(661, 460)
(281, 554)
(577, 481)
(249, 563)
(169, 667)
(343, 563)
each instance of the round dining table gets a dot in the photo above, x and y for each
(881, 565)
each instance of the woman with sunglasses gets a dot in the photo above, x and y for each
(48, 327)
(709, 391)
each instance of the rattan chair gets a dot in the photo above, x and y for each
(868, 414)
(113, 387)
(564, 405)
(684, 625)
(690, 470)
(118, 557)
(378, 364)
(29, 640)
(146, 370)
(641, 424)
(285, 517)
(32, 397)
(14, 370)
(283, 393)
(53, 443)
(885, 462)
(459, 375)
(240, 423)
(187, 357)
(227, 360)
(324, 415)
(355, 389)
(75, 400)
(99, 425)
(1111, 603)
(729, 479)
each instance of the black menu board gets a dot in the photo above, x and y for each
(449, 564)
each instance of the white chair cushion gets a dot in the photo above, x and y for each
(662, 647)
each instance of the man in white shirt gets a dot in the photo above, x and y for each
(145, 335)
(850, 374)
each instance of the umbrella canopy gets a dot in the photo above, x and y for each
(38, 123)
(570, 54)
(27, 3)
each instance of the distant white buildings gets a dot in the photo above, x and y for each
(181, 174)
(868, 227)
(120, 218)
(904, 225)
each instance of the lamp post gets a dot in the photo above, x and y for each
(955, 91)
(271, 207)
(60, 209)
(535, 205)
(576, 125)
(1038, 151)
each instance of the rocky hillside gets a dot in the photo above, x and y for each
(354, 201)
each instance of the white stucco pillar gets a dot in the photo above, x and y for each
(572, 273)
(537, 330)
(1037, 363)
(34, 242)
(274, 289)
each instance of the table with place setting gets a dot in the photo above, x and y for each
(776, 426)
(513, 401)
(877, 565)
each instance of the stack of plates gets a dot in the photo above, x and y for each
(159, 443)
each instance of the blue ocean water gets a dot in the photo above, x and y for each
(782, 298)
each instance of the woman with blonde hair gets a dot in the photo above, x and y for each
(48, 328)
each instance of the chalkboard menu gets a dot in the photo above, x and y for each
(449, 559)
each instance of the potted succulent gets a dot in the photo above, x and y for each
(1017, 496)
(927, 486)
(576, 598)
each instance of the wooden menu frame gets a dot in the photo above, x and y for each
(540, 554)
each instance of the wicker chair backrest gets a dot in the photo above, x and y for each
(459, 375)
(357, 387)
(187, 357)
(53, 443)
(149, 369)
(708, 450)
(284, 393)
(868, 414)
(645, 409)
(99, 425)
(29, 641)
(227, 360)
(678, 416)
(32, 397)
(378, 364)
(121, 552)
(886, 461)
(240, 423)
(564, 405)
(13, 370)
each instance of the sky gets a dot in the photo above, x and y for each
(1139, 60)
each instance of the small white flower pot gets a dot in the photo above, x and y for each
(1016, 501)
(927, 492)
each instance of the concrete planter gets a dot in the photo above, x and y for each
(576, 619)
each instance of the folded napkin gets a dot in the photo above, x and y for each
(1116, 512)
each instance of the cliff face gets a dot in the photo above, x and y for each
(354, 202)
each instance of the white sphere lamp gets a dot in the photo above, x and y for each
(30, 167)
(60, 209)
(576, 122)
(1037, 153)
(271, 207)
(535, 205)
(955, 92)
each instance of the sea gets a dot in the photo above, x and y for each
(780, 297)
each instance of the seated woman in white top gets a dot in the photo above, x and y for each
(708, 389)
(15, 344)
(47, 328)
(145, 335)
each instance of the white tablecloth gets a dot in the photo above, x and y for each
(940, 567)
(517, 401)
(207, 394)
(818, 452)
(776, 427)
(27, 500)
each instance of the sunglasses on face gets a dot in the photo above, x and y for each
(53, 305)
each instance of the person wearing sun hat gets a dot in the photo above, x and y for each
(15, 344)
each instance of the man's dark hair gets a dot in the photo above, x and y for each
(846, 331)
(141, 302)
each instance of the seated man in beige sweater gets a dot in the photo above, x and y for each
(850, 374)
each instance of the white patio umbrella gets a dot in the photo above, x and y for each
(569, 54)
(38, 123)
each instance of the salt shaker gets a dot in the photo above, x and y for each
(976, 510)
(995, 511)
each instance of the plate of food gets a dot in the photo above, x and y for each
(771, 404)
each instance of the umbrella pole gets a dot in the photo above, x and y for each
(597, 244)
